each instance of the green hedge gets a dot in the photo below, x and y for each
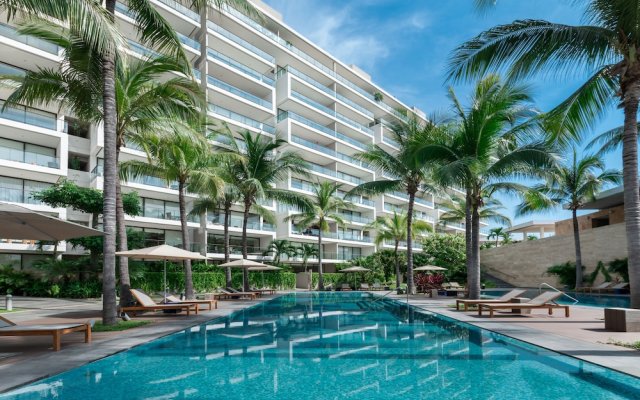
(207, 281)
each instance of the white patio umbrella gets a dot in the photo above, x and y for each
(355, 269)
(262, 269)
(429, 268)
(18, 222)
(163, 252)
(243, 263)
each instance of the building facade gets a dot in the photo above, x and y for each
(262, 77)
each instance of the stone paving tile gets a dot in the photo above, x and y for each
(582, 335)
(27, 359)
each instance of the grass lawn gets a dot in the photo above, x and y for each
(4, 310)
(120, 326)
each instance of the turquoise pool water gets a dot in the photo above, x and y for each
(334, 346)
(584, 299)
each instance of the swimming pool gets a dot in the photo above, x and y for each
(584, 299)
(334, 346)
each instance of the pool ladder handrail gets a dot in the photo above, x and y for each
(575, 301)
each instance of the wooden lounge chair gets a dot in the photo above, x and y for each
(232, 290)
(345, 287)
(175, 300)
(263, 291)
(505, 298)
(615, 288)
(225, 294)
(145, 303)
(364, 286)
(544, 301)
(376, 286)
(601, 286)
(8, 328)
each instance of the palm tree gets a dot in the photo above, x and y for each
(394, 229)
(607, 50)
(497, 233)
(570, 185)
(184, 158)
(412, 175)
(493, 142)
(260, 167)
(306, 251)
(325, 207)
(491, 211)
(279, 248)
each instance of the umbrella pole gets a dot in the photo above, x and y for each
(165, 279)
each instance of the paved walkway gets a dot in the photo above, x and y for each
(27, 359)
(582, 335)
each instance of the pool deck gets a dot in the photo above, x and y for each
(27, 359)
(582, 335)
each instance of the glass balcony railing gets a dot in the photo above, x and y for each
(418, 200)
(241, 118)
(153, 181)
(390, 142)
(28, 157)
(322, 170)
(355, 199)
(392, 208)
(142, 50)
(97, 171)
(354, 161)
(354, 237)
(6, 69)
(243, 43)
(349, 178)
(314, 146)
(18, 195)
(187, 41)
(12, 33)
(28, 115)
(238, 92)
(239, 66)
(329, 111)
(192, 15)
(356, 218)
(282, 115)
(302, 185)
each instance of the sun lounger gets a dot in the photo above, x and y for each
(8, 328)
(615, 288)
(175, 300)
(263, 291)
(345, 286)
(601, 286)
(364, 286)
(376, 286)
(505, 298)
(545, 301)
(225, 294)
(145, 303)
(232, 290)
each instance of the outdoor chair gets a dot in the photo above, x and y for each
(8, 328)
(232, 290)
(227, 295)
(505, 298)
(364, 286)
(599, 287)
(345, 287)
(263, 291)
(615, 288)
(376, 286)
(544, 301)
(145, 303)
(171, 299)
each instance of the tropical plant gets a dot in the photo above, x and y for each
(493, 141)
(600, 269)
(566, 273)
(184, 158)
(532, 237)
(491, 211)
(261, 165)
(607, 48)
(447, 251)
(497, 233)
(324, 207)
(307, 251)
(394, 229)
(569, 185)
(411, 174)
(620, 267)
(278, 248)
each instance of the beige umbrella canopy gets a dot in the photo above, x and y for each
(245, 264)
(21, 223)
(355, 269)
(429, 268)
(163, 252)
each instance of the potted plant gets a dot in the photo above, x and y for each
(377, 96)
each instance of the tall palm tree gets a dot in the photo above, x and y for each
(607, 50)
(325, 207)
(493, 142)
(570, 185)
(497, 233)
(394, 229)
(306, 251)
(491, 211)
(181, 158)
(262, 164)
(279, 248)
(412, 173)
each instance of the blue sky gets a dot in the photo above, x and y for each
(405, 44)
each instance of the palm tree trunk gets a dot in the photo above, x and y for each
(227, 217)
(188, 278)
(411, 287)
(109, 306)
(576, 239)
(473, 282)
(320, 277)
(631, 188)
(245, 253)
(125, 281)
(395, 251)
(468, 236)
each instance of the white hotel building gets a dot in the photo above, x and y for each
(265, 78)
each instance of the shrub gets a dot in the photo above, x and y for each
(566, 273)
(620, 267)
(447, 251)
